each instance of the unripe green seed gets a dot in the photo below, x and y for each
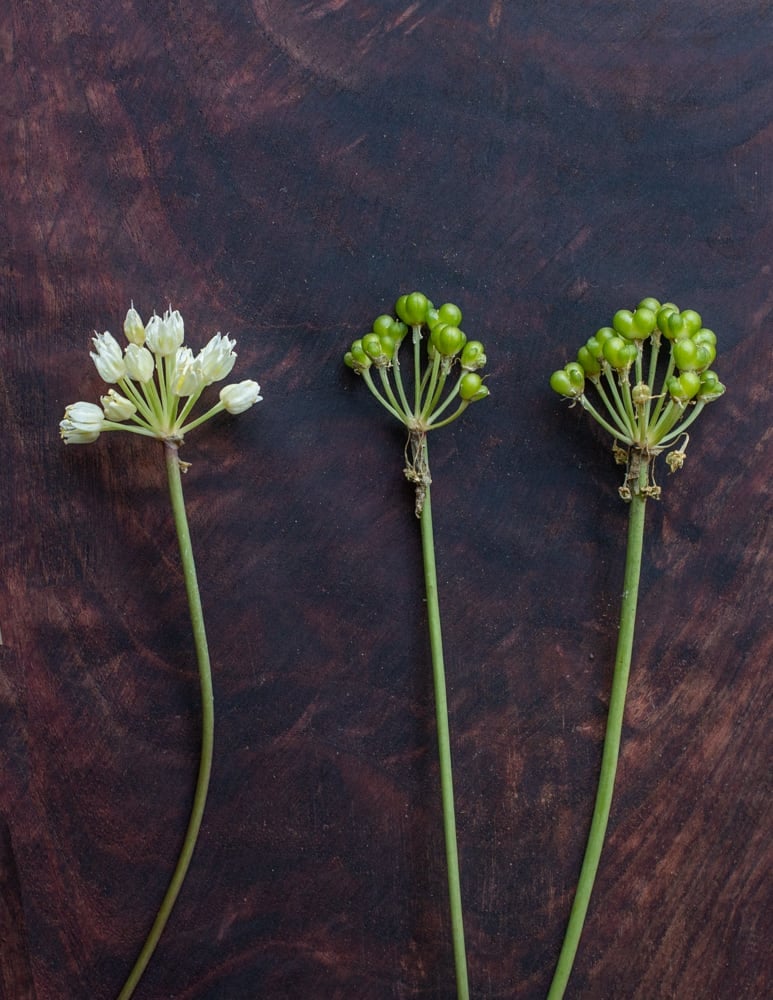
(692, 320)
(649, 303)
(704, 336)
(675, 326)
(382, 324)
(433, 318)
(449, 340)
(711, 388)
(604, 334)
(685, 353)
(562, 384)
(469, 386)
(685, 386)
(619, 353)
(589, 361)
(371, 344)
(398, 331)
(705, 355)
(473, 355)
(450, 313)
(644, 321)
(412, 309)
(576, 374)
(623, 323)
(359, 355)
(388, 345)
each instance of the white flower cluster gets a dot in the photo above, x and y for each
(156, 372)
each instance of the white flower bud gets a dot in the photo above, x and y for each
(216, 359)
(164, 336)
(108, 358)
(139, 363)
(133, 327)
(187, 377)
(116, 406)
(241, 396)
(82, 423)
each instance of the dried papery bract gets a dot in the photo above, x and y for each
(646, 399)
(160, 381)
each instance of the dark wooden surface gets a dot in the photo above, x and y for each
(282, 171)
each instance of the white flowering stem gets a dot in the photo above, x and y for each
(207, 721)
(612, 738)
(444, 747)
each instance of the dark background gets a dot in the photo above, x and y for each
(283, 171)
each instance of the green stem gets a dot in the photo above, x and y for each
(611, 750)
(444, 749)
(207, 721)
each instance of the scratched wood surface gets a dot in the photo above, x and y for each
(283, 171)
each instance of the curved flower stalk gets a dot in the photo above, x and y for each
(643, 423)
(446, 380)
(160, 381)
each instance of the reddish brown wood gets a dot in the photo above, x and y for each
(283, 171)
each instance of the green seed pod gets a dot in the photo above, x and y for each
(705, 355)
(371, 344)
(382, 324)
(397, 331)
(593, 346)
(349, 361)
(604, 334)
(449, 340)
(692, 320)
(685, 386)
(649, 303)
(644, 321)
(412, 309)
(576, 374)
(676, 326)
(388, 345)
(589, 361)
(619, 353)
(704, 336)
(433, 318)
(623, 323)
(711, 388)
(473, 355)
(359, 355)
(562, 384)
(685, 353)
(470, 385)
(662, 316)
(450, 313)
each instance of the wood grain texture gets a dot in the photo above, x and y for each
(282, 171)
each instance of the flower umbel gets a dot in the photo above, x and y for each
(160, 380)
(449, 353)
(644, 422)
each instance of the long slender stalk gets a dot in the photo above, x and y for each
(612, 737)
(207, 721)
(444, 749)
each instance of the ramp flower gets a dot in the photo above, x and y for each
(155, 372)
(645, 400)
(82, 424)
(160, 382)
